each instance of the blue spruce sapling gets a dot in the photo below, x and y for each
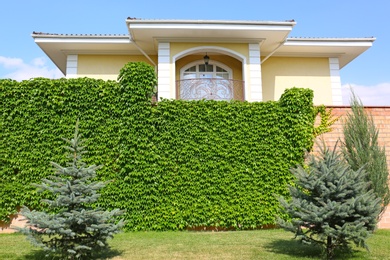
(72, 228)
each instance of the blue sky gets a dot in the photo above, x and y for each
(369, 74)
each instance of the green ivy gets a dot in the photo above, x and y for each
(327, 119)
(175, 165)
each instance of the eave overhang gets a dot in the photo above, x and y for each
(147, 33)
(58, 46)
(346, 49)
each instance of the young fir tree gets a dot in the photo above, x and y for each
(331, 204)
(360, 148)
(73, 229)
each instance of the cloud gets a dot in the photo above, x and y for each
(17, 69)
(374, 95)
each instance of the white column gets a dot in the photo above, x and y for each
(337, 98)
(255, 87)
(71, 66)
(164, 70)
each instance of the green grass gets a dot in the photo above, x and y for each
(261, 244)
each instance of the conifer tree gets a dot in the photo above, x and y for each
(72, 228)
(331, 204)
(360, 148)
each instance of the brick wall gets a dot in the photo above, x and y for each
(381, 116)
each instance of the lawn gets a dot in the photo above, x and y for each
(261, 244)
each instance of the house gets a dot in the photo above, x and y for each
(221, 60)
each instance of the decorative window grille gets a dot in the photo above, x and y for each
(209, 81)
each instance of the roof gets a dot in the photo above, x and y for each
(58, 35)
(346, 49)
(144, 36)
(58, 46)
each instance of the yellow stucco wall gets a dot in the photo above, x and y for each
(231, 62)
(279, 73)
(106, 67)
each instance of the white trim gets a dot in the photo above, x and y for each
(238, 27)
(71, 66)
(164, 52)
(314, 39)
(212, 62)
(329, 42)
(132, 22)
(82, 40)
(335, 82)
(210, 39)
(164, 71)
(223, 50)
(256, 89)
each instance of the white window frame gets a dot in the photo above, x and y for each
(200, 62)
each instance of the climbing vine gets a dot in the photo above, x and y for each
(175, 165)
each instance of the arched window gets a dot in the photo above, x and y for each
(206, 81)
(199, 70)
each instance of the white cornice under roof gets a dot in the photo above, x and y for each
(58, 46)
(346, 49)
(145, 34)
(269, 33)
(229, 22)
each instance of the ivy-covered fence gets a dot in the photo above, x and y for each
(175, 165)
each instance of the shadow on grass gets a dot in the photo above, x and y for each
(294, 248)
(40, 255)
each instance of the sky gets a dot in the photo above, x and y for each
(368, 75)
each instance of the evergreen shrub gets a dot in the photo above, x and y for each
(360, 148)
(71, 228)
(331, 204)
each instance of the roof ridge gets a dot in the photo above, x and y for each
(329, 38)
(78, 34)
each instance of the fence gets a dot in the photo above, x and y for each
(381, 116)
